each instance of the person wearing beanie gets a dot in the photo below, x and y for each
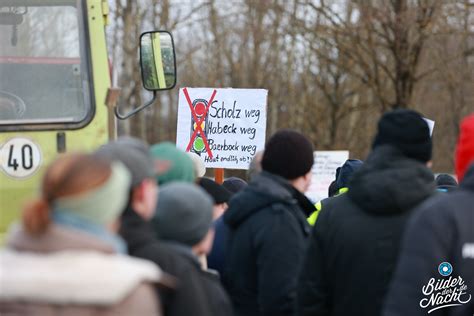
(220, 195)
(445, 183)
(348, 169)
(268, 229)
(234, 184)
(134, 154)
(440, 231)
(339, 186)
(66, 258)
(183, 222)
(355, 242)
(186, 221)
(181, 166)
(199, 167)
(407, 131)
(137, 232)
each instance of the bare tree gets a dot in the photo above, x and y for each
(331, 68)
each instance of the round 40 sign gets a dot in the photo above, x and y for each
(20, 157)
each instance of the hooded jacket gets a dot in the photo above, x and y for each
(441, 230)
(343, 176)
(268, 232)
(465, 146)
(346, 172)
(68, 272)
(190, 296)
(216, 298)
(355, 242)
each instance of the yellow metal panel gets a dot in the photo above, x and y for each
(105, 12)
(15, 192)
(100, 66)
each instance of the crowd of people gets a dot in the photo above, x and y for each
(133, 229)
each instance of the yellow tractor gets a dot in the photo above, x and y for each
(55, 88)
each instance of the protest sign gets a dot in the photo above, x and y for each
(324, 172)
(431, 125)
(225, 127)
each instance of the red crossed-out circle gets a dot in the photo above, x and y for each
(199, 120)
(200, 109)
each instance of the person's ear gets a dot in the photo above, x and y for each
(144, 198)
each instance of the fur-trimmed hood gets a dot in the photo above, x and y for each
(72, 277)
(68, 266)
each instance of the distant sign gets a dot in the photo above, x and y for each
(324, 172)
(225, 127)
(431, 125)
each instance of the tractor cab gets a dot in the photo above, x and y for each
(55, 88)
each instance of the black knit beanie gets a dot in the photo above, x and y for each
(288, 154)
(218, 192)
(406, 130)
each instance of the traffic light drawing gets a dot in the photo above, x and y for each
(200, 106)
(197, 121)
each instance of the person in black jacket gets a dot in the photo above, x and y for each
(439, 245)
(183, 222)
(268, 229)
(216, 258)
(187, 298)
(355, 242)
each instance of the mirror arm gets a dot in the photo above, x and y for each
(135, 111)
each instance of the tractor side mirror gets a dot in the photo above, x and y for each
(157, 60)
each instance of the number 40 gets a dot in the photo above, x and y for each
(26, 158)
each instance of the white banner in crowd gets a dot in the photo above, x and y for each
(225, 127)
(324, 172)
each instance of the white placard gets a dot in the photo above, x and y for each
(324, 172)
(233, 123)
(431, 125)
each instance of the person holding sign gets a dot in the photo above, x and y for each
(268, 229)
(355, 242)
(440, 232)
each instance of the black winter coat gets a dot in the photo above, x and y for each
(441, 230)
(355, 243)
(198, 293)
(216, 259)
(268, 232)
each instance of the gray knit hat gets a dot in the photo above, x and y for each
(183, 214)
(133, 153)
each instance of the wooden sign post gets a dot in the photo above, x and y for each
(219, 175)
